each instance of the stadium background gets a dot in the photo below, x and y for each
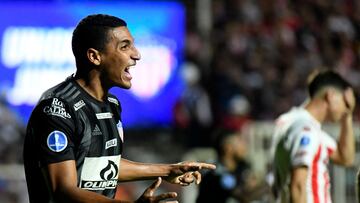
(232, 64)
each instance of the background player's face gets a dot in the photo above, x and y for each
(337, 106)
(236, 146)
(117, 58)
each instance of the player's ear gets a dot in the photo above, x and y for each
(94, 56)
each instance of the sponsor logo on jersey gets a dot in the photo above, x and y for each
(111, 143)
(79, 104)
(57, 141)
(113, 100)
(305, 140)
(105, 115)
(100, 173)
(120, 130)
(57, 108)
(96, 130)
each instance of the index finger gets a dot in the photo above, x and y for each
(196, 166)
(207, 166)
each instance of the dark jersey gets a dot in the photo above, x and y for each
(69, 124)
(219, 185)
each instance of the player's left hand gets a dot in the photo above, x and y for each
(185, 173)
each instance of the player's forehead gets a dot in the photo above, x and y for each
(121, 34)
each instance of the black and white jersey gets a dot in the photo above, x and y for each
(69, 124)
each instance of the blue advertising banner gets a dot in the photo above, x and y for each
(35, 54)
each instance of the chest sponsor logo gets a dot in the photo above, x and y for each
(111, 143)
(106, 115)
(96, 130)
(79, 104)
(57, 141)
(100, 173)
(57, 108)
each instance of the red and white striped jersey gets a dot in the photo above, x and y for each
(299, 141)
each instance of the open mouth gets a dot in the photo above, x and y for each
(127, 73)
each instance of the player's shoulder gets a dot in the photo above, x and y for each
(52, 107)
(55, 98)
(297, 120)
(62, 91)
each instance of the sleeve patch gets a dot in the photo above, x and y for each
(305, 140)
(57, 141)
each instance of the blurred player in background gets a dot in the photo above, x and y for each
(233, 179)
(74, 140)
(302, 149)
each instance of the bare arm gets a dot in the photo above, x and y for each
(345, 153)
(63, 183)
(298, 185)
(130, 170)
(181, 173)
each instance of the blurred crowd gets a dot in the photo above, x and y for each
(254, 62)
(251, 64)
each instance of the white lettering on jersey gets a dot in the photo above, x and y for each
(111, 143)
(57, 108)
(112, 100)
(106, 115)
(79, 104)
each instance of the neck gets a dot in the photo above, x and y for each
(317, 108)
(92, 84)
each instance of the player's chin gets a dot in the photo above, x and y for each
(125, 85)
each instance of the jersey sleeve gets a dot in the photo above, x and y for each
(53, 128)
(305, 144)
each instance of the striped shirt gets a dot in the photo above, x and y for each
(299, 141)
(69, 124)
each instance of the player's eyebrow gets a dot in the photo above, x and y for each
(123, 42)
(127, 41)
